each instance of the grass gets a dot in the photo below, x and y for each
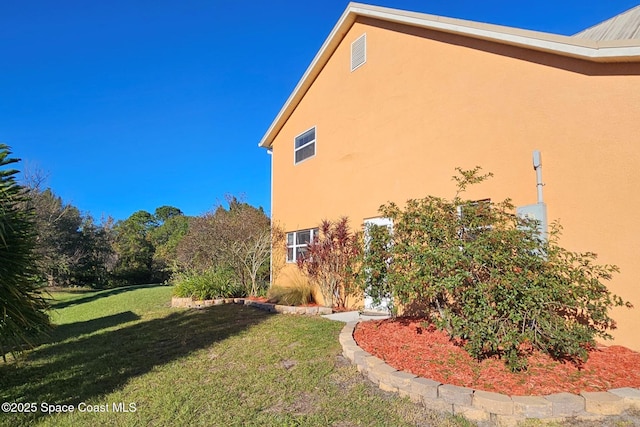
(224, 365)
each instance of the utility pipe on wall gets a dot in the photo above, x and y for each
(537, 165)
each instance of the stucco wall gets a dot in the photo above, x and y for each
(426, 102)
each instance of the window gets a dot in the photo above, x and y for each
(297, 243)
(475, 218)
(359, 52)
(305, 145)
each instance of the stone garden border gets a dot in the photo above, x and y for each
(482, 406)
(274, 308)
(475, 405)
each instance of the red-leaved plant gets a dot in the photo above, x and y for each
(330, 260)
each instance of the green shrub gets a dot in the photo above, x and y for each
(210, 284)
(297, 294)
(489, 278)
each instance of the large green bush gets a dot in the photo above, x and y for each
(210, 284)
(489, 278)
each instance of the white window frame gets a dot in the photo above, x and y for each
(308, 144)
(296, 246)
(386, 303)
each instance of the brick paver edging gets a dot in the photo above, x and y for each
(484, 406)
(274, 308)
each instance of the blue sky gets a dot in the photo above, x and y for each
(135, 104)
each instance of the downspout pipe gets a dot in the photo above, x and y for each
(537, 165)
(270, 153)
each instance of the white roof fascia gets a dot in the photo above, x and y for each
(579, 48)
(557, 44)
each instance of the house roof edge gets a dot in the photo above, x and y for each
(590, 50)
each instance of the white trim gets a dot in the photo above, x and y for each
(618, 51)
(313, 232)
(270, 152)
(362, 39)
(537, 40)
(384, 305)
(315, 146)
(379, 220)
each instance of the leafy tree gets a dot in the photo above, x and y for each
(22, 306)
(235, 237)
(58, 239)
(99, 258)
(172, 226)
(254, 254)
(489, 278)
(330, 261)
(73, 250)
(164, 213)
(134, 249)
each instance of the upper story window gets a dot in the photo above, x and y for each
(298, 243)
(305, 145)
(359, 52)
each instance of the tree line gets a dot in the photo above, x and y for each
(73, 249)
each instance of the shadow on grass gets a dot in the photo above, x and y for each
(69, 330)
(97, 294)
(78, 370)
(63, 332)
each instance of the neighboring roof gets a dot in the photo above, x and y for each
(577, 47)
(625, 26)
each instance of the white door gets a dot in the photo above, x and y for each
(369, 305)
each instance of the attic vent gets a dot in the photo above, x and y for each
(359, 52)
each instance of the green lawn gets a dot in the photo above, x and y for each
(225, 365)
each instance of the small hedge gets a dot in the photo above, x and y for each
(210, 284)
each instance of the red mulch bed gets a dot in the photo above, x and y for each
(407, 345)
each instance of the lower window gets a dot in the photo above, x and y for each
(298, 242)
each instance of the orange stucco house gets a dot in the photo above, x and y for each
(395, 100)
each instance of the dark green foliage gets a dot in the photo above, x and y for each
(72, 249)
(58, 238)
(164, 213)
(216, 282)
(95, 266)
(146, 244)
(22, 306)
(134, 249)
(165, 239)
(487, 277)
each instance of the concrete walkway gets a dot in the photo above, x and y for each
(355, 316)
